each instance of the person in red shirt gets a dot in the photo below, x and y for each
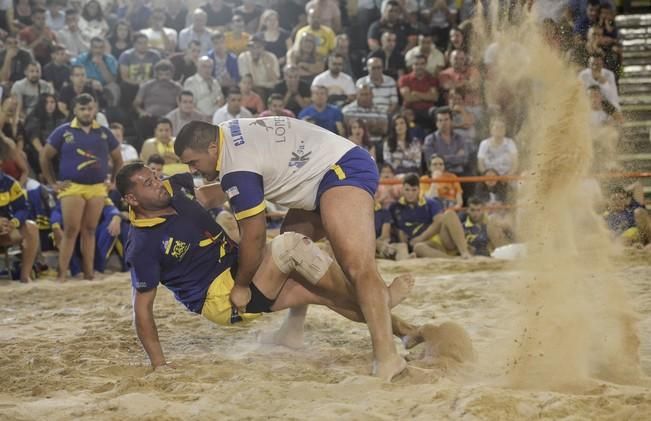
(419, 91)
(38, 37)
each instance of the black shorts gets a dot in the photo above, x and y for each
(259, 303)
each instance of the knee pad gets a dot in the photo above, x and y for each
(296, 252)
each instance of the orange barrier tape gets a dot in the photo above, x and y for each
(479, 179)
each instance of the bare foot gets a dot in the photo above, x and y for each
(387, 370)
(400, 289)
(26, 280)
(290, 334)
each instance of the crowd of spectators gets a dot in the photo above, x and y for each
(398, 77)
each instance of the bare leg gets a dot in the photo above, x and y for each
(428, 250)
(496, 235)
(452, 235)
(643, 223)
(89, 223)
(29, 233)
(347, 215)
(72, 209)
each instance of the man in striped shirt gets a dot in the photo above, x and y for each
(385, 92)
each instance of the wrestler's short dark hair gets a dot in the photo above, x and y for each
(475, 201)
(123, 178)
(196, 135)
(84, 99)
(411, 180)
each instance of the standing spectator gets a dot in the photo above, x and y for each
(232, 109)
(323, 114)
(84, 148)
(176, 15)
(217, 13)
(393, 60)
(155, 98)
(419, 91)
(304, 56)
(276, 107)
(449, 193)
(498, 152)
(358, 134)
(341, 88)
(101, 67)
(205, 89)
(55, 17)
(93, 23)
(38, 38)
(197, 32)
(385, 91)
(185, 63)
(250, 12)
(324, 36)
(376, 122)
(77, 85)
(447, 144)
(136, 66)
(71, 36)
(184, 113)
(136, 12)
(13, 60)
(260, 64)
(276, 39)
(225, 63)
(127, 151)
(120, 38)
(402, 152)
(435, 59)
(462, 75)
(38, 125)
(390, 22)
(28, 90)
(57, 71)
(236, 39)
(295, 92)
(327, 11)
(595, 74)
(161, 39)
(250, 100)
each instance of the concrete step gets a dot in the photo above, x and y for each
(637, 60)
(636, 71)
(639, 44)
(630, 99)
(633, 20)
(634, 33)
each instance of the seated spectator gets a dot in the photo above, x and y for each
(196, 32)
(93, 23)
(120, 39)
(232, 109)
(462, 75)
(38, 125)
(493, 192)
(15, 228)
(176, 15)
(627, 218)
(236, 40)
(384, 248)
(324, 36)
(137, 64)
(217, 13)
(71, 37)
(13, 60)
(483, 235)
(205, 88)
(11, 125)
(352, 59)
(385, 91)
(447, 144)
(498, 152)
(323, 114)
(596, 75)
(260, 64)
(424, 226)
(358, 133)
(250, 100)
(162, 143)
(584, 21)
(156, 164)
(327, 11)
(225, 63)
(78, 84)
(136, 12)
(403, 152)
(464, 118)
(250, 12)
(386, 193)
(449, 193)
(295, 92)
(22, 12)
(155, 98)
(414, 129)
(57, 71)
(457, 41)
(55, 17)
(304, 56)
(363, 107)
(419, 91)
(184, 113)
(160, 38)
(341, 88)
(276, 39)
(391, 22)
(442, 16)
(129, 153)
(276, 107)
(394, 62)
(38, 38)
(101, 67)
(27, 90)
(185, 63)
(435, 61)
(12, 140)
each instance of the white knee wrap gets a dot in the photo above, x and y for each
(296, 252)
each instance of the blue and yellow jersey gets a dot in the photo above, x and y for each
(382, 216)
(13, 200)
(83, 157)
(620, 221)
(41, 202)
(185, 251)
(414, 218)
(476, 234)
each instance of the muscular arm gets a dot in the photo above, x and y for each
(253, 233)
(116, 157)
(143, 306)
(211, 195)
(45, 158)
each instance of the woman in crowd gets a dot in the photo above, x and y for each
(448, 192)
(493, 192)
(22, 14)
(456, 42)
(38, 125)
(92, 22)
(276, 39)
(358, 134)
(498, 152)
(304, 56)
(120, 39)
(402, 151)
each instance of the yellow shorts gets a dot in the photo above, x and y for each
(632, 234)
(437, 243)
(218, 308)
(86, 191)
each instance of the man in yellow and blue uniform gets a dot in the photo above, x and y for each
(412, 214)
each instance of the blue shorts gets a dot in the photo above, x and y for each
(356, 168)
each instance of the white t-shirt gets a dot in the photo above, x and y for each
(222, 114)
(128, 152)
(156, 37)
(608, 88)
(341, 85)
(279, 159)
(498, 158)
